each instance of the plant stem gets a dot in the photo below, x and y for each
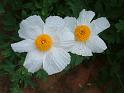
(121, 83)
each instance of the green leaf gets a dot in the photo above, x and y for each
(109, 90)
(41, 74)
(76, 60)
(76, 6)
(1, 9)
(9, 22)
(120, 26)
(16, 90)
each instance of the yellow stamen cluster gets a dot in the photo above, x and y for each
(82, 33)
(43, 42)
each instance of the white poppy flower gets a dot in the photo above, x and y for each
(45, 44)
(86, 32)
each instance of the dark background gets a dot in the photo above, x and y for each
(102, 73)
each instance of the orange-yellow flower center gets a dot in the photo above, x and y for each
(82, 33)
(43, 42)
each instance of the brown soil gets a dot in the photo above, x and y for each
(76, 81)
(4, 84)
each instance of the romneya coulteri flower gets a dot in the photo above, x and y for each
(45, 44)
(85, 31)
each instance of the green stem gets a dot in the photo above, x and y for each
(117, 75)
(121, 83)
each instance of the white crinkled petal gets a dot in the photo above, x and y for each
(55, 22)
(56, 60)
(66, 39)
(81, 49)
(85, 17)
(96, 44)
(31, 27)
(33, 61)
(100, 25)
(23, 46)
(66, 35)
(52, 32)
(71, 23)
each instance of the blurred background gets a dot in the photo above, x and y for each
(101, 73)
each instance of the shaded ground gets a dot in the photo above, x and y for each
(4, 85)
(77, 81)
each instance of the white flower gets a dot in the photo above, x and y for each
(45, 44)
(86, 32)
